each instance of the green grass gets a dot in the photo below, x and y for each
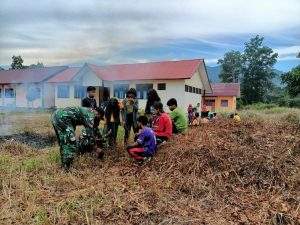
(4, 160)
(31, 164)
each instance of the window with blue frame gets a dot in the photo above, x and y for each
(9, 93)
(63, 91)
(224, 103)
(120, 90)
(142, 90)
(80, 92)
(210, 102)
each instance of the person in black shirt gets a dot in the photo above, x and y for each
(90, 101)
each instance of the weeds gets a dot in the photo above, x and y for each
(31, 164)
(220, 173)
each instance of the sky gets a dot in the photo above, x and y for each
(105, 32)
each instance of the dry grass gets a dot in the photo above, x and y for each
(221, 173)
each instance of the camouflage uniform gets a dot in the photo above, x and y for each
(64, 122)
(86, 142)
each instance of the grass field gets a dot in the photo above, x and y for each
(219, 173)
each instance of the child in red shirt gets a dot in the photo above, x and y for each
(162, 125)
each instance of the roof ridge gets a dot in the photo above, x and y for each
(126, 64)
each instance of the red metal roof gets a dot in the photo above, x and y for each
(35, 75)
(64, 76)
(225, 89)
(167, 70)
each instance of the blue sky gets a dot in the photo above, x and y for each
(60, 32)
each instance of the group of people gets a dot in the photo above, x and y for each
(150, 130)
(194, 118)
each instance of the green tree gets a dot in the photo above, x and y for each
(17, 63)
(292, 80)
(37, 65)
(231, 67)
(258, 62)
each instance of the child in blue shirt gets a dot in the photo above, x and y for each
(145, 145)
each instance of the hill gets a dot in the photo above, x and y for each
(213, 74)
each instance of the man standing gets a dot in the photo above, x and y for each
(64, 122)
(178, 117)
(130, 113)
(90, 101)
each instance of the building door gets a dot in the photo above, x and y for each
(104, 93)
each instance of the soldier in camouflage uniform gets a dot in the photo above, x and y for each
(64, 122)
(86, 143)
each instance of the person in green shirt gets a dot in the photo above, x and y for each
(178, 117)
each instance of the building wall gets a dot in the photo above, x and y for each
(218, 107)
(193, 98)
(49, 95)
(71, 101)
(174, 89)
(21, 96)
(65, 102)
(91, 79)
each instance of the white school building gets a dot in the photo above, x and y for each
(185, 80)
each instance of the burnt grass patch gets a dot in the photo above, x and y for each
(31, 139)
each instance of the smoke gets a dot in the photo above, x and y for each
(5, 124)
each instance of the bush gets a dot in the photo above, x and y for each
(289, 102)
(260, 106)
(294, 103)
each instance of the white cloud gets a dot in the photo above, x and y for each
(56, 31)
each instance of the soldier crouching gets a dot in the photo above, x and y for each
(64, 122)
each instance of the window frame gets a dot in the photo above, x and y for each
(121, 90)
(161, 86)
(224, 100)
(12, 90)
(82, 92)
(142, 89)
(64, 95)
(210, 102)
(186, 88)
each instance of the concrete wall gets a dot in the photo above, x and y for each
(65, 102)
(91, 79)
(218, 107)
(174, 89)
(193, 98)
(71, 101)
(49, 95)
(21, 96)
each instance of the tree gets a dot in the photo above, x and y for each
(231, 67)
(17, 63)
(258, 62)
(37, 65)
(292, 80)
